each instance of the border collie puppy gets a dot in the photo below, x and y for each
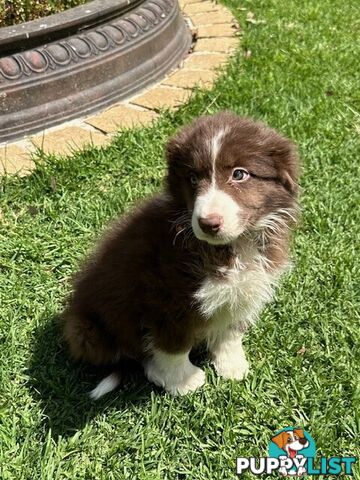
(193, 264)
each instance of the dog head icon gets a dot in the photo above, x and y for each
(291, 441)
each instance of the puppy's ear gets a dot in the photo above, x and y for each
(175, 149)
(289, 182)
(172, 149)
(280, 440)
(284, 154)
(176, 152)
(299, 432)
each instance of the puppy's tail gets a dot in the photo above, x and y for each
(107, 384)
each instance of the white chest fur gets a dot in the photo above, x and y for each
(237, 296)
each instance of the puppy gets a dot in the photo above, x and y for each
(193, 264)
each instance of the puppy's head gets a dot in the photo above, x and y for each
(233, 175)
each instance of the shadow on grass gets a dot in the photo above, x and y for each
(62, 386)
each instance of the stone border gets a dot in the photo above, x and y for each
(215, 31)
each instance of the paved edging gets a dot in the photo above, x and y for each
(215, 30)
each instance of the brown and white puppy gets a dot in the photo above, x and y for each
(193, 264)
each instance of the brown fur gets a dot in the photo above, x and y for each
(140, 282)
(282, 439)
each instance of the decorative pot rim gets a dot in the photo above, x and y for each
(50, 28)
(79, 74)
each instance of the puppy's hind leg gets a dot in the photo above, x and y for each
(88, 338)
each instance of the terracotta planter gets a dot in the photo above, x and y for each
(76, 62)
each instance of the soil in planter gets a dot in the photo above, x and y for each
(18, 11)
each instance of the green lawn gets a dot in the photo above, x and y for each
(302, 78)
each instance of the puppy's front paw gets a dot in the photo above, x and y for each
(232, 367)
(178, 379)
(194, 380)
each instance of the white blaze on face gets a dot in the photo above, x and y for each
(215, 145)
(294, 444)
(216, 201)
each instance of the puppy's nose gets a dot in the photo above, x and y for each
(211, 224)
(303, 441)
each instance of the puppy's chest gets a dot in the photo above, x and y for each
(238, 293)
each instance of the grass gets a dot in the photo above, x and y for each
(301, 77)
(17, 11)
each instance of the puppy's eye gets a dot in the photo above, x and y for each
(193, 179)
(240, 175)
